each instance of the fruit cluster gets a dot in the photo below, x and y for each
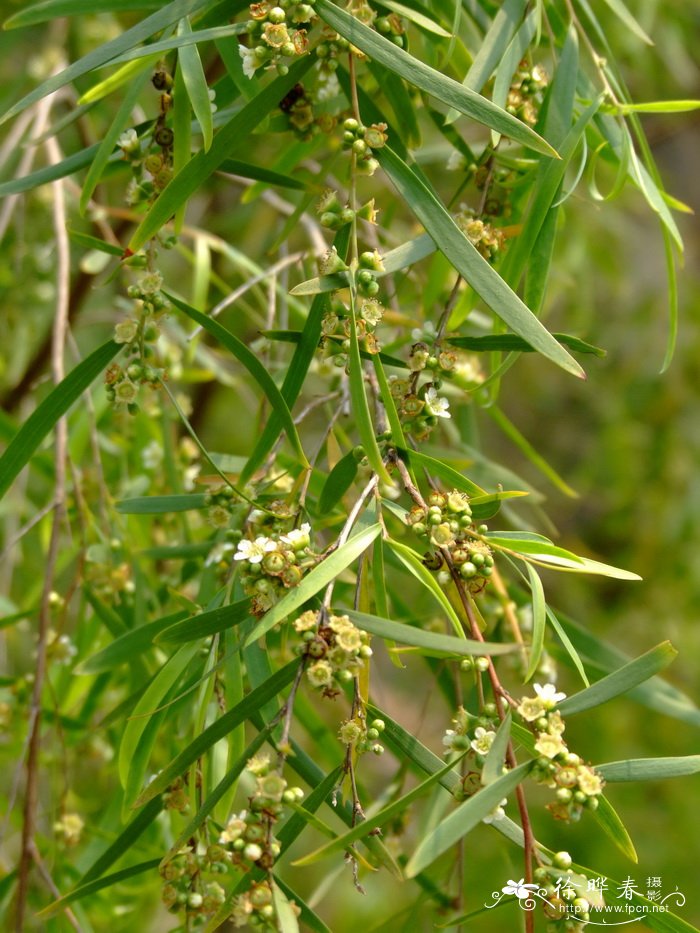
(447, 525)
(334, 647)
(272, 564)
(185, 889)
(276, 32)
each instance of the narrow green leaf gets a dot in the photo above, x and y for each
(428, 79)
(659, 106)
(186, 40)
(386, 815)
(259, 173)
(195, 82)
(609, 820)
(419, 19)
(230, 778)
(568, 646)
(46, 10)
(54, 406)
(99, 885)
(493, 766)
(124, 842)
(466, 259)
(337, 483)
(284, 914)
(228, 138)
(160, 505)
(649, 769)
(396, 259)
(205, 624)
(522, 443)
(539, 621)
(122, 118)
(620, 681)
(219, 729)
(451, 476)
(463, 819)
(412, 561)
(149, 702)
(421, 638)
(130, 645)
(42, 176)
(620, 10)
(360, 405)
(491, 342)
(314, 581)
(94, 243)
(104, 53)
(251, 362)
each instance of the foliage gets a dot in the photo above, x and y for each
(323, 242)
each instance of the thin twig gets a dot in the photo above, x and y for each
(60, 329)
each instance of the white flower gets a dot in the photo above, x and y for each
(519, 888)
(496, 814)
(298, 538)
(250, 61)
(549, 695)
(329, 89)
(456, 161)
(218, 552)
(435, 405)
(549, 745)
(128, 141)
(482, 741)
(448, 737)
(254, 551)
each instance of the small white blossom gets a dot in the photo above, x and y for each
(549, 695)
(519, 888)
(128, 141)
(254, 551)
(218, 552)
(297, 538)
(330, 88)
(436, 405)
(482, 741)
(448, 737)
(456, 161)
(497, 813)
(250, 61)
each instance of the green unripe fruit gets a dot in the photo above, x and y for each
(490, 709)
(276, 15)
(351, 125)
(378, 724)
(382, 24)
(364, 276)
(477, 558)
(360, 147)
(371, 289)
(331, 220)
(468, 570)
(420, 529)
(347, 215)
(482, 529)
(486, 571)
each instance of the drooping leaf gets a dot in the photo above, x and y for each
(620, 681)
(410, 559)
(493, 765)
(315, 580)
(466, 259)
(46, 10)
(649, 769)
(609, 820)
(422, 638)
(54, 406)
(251, 362)
(463, 819)
(195, 82)
(491, 342)
(428, 79)
(338, 481)
(539, 621)
(219, 729)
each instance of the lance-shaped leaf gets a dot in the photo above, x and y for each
(227, 140)
(432, 642)
(412, 561)
(467, 260)
(314, 581)
(490, 342)
(493, 766)
(609, 821)
(159, 505)
(338, 481)
(462, 820)
(46, 10)
(54, 406)
(428, 79)
(374, 822)
(649, 769)
(206, 623)
(98, 885)
(128, 646)
(195, 82)
(627, 677)
(104, 53)
(539, 621)
(254, 367)
(220, 728)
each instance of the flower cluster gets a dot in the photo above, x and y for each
(219, 503)
(276, 32)
(185, 888)
(69, 828)
(138, 334)
(335, 648)
(355, 732)
(486, 238)
(421, 408)
(361, 140)
(334, 215)
(525, 94)
(249, 840)
(272, 564)
(477, 743)
(577, 784)
(447, 525)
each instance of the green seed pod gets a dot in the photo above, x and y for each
(468, 570)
